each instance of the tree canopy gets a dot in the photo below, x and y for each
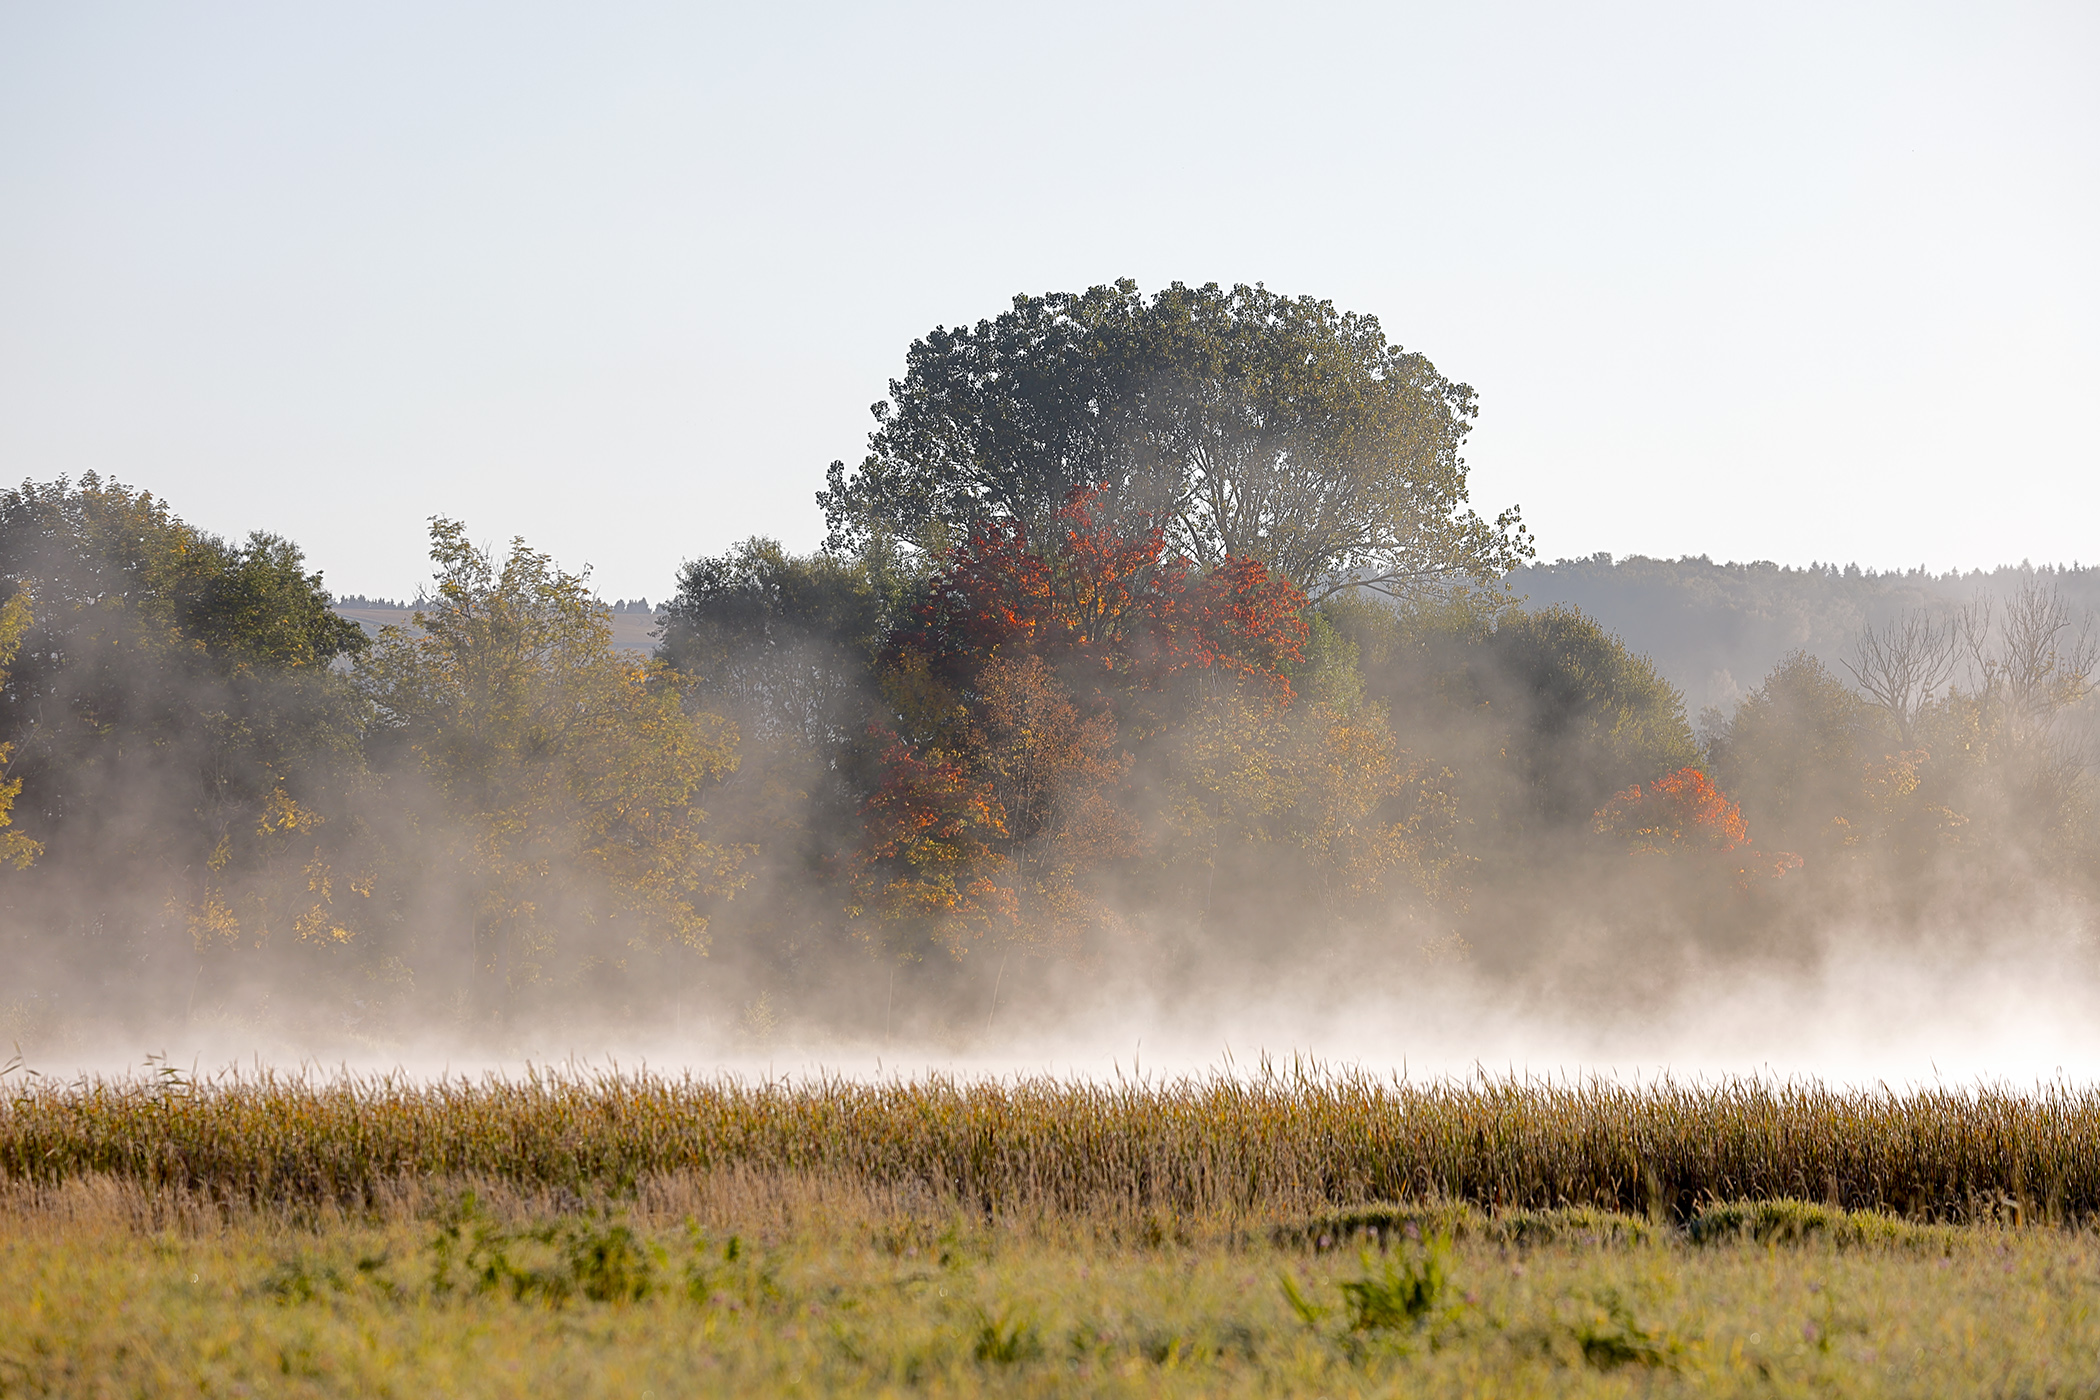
(1242, 422)
(171, 710)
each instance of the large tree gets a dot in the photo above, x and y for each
(1244, 422)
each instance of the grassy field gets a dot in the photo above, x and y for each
(1291, 1235)
(743, 1285)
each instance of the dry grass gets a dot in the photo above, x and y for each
(1265, 1147)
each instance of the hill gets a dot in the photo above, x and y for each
(1716, 630)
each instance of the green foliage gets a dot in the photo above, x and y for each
(784, 643)
(1797, 753)
(1544, 715)
(173, 715)
(1249, 423)
(601, 1260)
(1405, 1290)
(1006, 1340)
(276, 1300)
(1610, 1336)
(1785, 1221)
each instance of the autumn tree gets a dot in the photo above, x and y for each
(1107, 606)
(1057, 777)
(1246, 423)
(16, 849)
(1683, 815)
(1014, 689)
(930, 871)
(1306, 814)
(174, 720)
(566, 777)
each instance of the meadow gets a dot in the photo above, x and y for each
(1291, 1232)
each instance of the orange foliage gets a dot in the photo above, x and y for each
(927, 855)
(1683, 812)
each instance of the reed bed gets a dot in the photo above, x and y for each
(1268, 1145)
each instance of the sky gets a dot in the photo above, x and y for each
(1790, 282)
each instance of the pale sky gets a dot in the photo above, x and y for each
(1795, 282)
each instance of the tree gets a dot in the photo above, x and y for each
(171, 708)
(1247, 424)
(786, 644)
(16, 849)
(566, 777)
(1013, 687)
(1105, 605)
(1802, 751)
(1275, 814)
(1001, 420)
(1683, 815)
(1543, 714)
(2011, 744)
(2032, 667)
(928, 870)
(1057, 779)
(1902, 665)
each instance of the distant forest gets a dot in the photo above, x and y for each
(1716, 630)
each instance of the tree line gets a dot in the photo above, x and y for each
(1153, 636)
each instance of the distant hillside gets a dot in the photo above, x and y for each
(1716, 630)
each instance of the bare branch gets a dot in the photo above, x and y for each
(1901, 666)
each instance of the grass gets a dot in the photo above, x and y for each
(1294, 1233)
(743, 1284)
(1295, 1142)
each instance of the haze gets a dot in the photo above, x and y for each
(1799, 283)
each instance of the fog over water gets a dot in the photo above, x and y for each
(1865, 1021)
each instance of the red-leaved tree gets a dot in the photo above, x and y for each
(1107, 607)
(1684, 815)
(1013, 686)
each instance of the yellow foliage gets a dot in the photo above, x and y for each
(212, 924)
(16, 848)
(1331, 785)
(570, 772)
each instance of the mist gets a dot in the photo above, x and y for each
(1067, 777)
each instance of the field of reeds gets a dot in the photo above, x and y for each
(1289, 1232)
(1274, 1143)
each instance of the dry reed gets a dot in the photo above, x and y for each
(1277, 1142)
